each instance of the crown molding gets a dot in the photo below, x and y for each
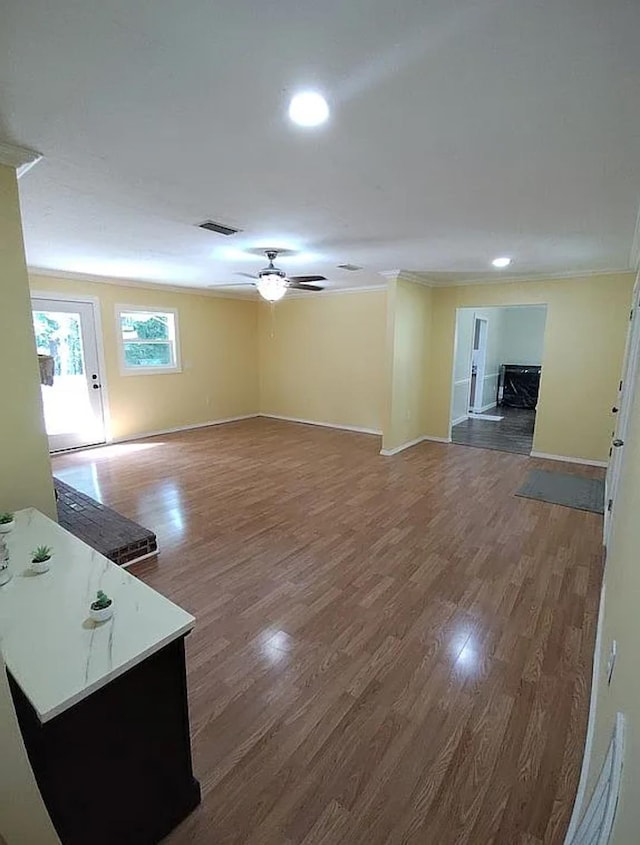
(537, 277)
(415, 279)
(133, 283)
(20, 158)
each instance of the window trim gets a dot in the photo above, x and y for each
(147, 371)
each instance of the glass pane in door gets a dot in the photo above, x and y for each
(69, 409)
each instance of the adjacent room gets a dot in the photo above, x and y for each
(319, 423)
(497, 371)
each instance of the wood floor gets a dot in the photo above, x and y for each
(387, 650)
(513, 433)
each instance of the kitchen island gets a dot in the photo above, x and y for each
(103, 706)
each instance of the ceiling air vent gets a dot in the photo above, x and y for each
(351, 267)
(212, 226)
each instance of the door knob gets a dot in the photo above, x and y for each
(96, 386)
(617, 442)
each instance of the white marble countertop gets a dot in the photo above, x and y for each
(55, 652)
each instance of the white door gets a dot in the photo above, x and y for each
(622, 408)
(71, 382)
(478, 364)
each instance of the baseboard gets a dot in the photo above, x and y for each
(482, 409)
(591, 726)
(357, 428)
(179, 428)
(568, 460)
(388, 452)
(463, 418)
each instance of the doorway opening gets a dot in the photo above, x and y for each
(496, 378)
(70, 372)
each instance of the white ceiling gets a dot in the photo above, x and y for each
(459, 131)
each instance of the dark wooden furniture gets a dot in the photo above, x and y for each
(115, 768)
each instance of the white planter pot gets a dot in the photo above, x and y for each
(41, 567)
(101, 615)
(5, 527)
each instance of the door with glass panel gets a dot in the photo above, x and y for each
(70, 376)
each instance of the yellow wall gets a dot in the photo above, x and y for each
(322, 359)
(25, 469)
(218, 339)
(584, 345)
(25, 479)
(621, 621)
(408, 336)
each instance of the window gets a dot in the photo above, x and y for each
(148, 340)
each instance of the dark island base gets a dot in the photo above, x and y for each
(116, 767)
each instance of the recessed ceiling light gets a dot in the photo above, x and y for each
(308, 109)
(501, 262)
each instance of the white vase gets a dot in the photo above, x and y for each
(41, 566)
(101, 615)
(5, 527)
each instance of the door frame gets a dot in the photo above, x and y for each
(624, 400)
(97, 318)
(482, 369)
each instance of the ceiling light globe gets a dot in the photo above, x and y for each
(503, 261)
(308, 109)
(271, 287)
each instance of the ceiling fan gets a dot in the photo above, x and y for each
(273, 283)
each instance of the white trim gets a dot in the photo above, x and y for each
(388, 452)
(569, 460)
(463, 418)
(211, 291)
(591, 725)
(343, 427)
(482, 409)
(180, 428)
(535, 277)
(176, 367)
(22, 158)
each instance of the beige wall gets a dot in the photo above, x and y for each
(25, 479)
(621, 621)
(25, 470)
(584, 344)
(322, 358)
(218, 339)
(408, 338)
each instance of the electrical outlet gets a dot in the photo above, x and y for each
(611, 662)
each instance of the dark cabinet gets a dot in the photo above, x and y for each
(518, 386)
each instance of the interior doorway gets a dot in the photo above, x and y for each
(70, 372)
(496, 378)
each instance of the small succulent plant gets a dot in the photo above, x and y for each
(102, 601)
(41, 554)
(6, 518)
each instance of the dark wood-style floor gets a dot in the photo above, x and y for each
(513, 433)
(387, 650)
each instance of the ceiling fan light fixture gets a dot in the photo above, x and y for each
(271, 287)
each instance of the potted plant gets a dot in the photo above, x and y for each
(41, 558)
(102, 608)
(7, 522)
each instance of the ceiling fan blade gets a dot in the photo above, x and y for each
(304, 279)
(248, 275)
(298, 286)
